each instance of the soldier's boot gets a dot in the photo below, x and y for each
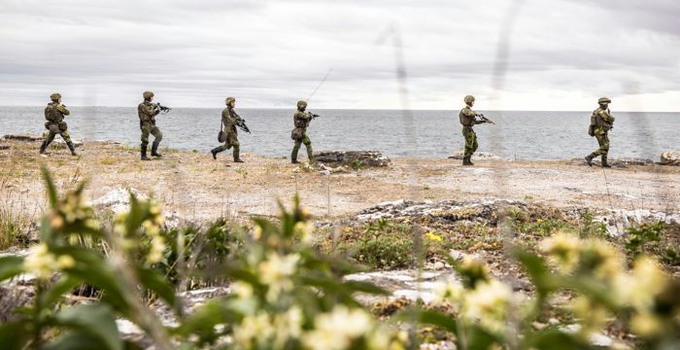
(604, 163)
(589, 159)
(43, 147)
(72, 148)
(214, 152)
(154, 150)
(467, 161)
(144, 157)
(237, 159)
(293, 156)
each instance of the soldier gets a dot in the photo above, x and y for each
(468, 118)
(54, 113)
(601, 121)
(229, 120)
(147, 112)
(301, 122)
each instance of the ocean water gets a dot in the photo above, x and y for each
(427, 134)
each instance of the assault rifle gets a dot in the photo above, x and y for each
(162, 108)
(241, 123)
(485, 119)
(314, 116)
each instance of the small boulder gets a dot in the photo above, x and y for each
(670, 158)
(353, 159)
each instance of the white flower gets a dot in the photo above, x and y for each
(337, 330)
(275, 271)
(43, 263)
(256, 328)
(288, 326)
(489, 303)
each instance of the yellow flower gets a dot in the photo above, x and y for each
(433, 237)
(647, 325)
(489, 304)
(337, 329)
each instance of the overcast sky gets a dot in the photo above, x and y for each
(555, 54)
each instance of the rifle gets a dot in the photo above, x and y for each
(241, 123)
(314, 116)
(162, 108)
(485, 119)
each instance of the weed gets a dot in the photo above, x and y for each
(642, 235)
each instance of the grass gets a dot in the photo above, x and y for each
(13, 227)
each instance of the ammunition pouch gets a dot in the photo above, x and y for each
(221, 136)
(62, 126)
(47, 125)
(591, 130)
(296, 134)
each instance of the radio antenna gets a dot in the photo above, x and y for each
(320, 83)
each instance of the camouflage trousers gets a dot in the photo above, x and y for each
(603, 141)
(148, 128)
(308, 144)
(470, 141)
(232, 141)
(54, 131)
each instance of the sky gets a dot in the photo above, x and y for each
(426, 54)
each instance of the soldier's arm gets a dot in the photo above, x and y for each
(61, 108)
(607, 117)
(149, 110)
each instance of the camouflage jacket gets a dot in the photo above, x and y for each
(54, 113)
(468, 117)
(602, 120)
(147, 112)
(301, 119)
(230, 119)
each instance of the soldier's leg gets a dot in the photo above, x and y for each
(308, 146)
(145, 142)
(158, 136)
(604, 150)
(237, 149)
(219, 149)
(48, 140)
(67, 138)
(294, 154)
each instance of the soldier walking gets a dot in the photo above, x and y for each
(147, 112)
(468, 118)
(601, 121)
(301, 121)
(55, 113)
(229, 120)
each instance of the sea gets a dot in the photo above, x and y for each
(519, 135)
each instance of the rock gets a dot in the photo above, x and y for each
(2, 147)
(116, 200)
(479, 155)
(353, 159)
(23, 137)
(670, 158)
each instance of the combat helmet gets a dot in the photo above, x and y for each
(147, 95)
(229, 100)
(469, 98)
(55, 96)
(301, 104)
(602, 100)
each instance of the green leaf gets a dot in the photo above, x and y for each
(51, 189)
(433, 318)
(155, 282)
(76, 340)
(554, 340)
(96, 320)
(64, 285)
(538, 271)
(11, 266)
(15, 335)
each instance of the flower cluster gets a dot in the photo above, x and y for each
(70, 210)
(44, 263)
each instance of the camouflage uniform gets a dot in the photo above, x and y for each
(229, 120)
(54, 113)
(468, 119)
(601, 122)
(147, 113)
(301, 121)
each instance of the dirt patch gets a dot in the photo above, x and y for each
(194, 186)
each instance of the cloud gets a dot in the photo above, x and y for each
(271, 53)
